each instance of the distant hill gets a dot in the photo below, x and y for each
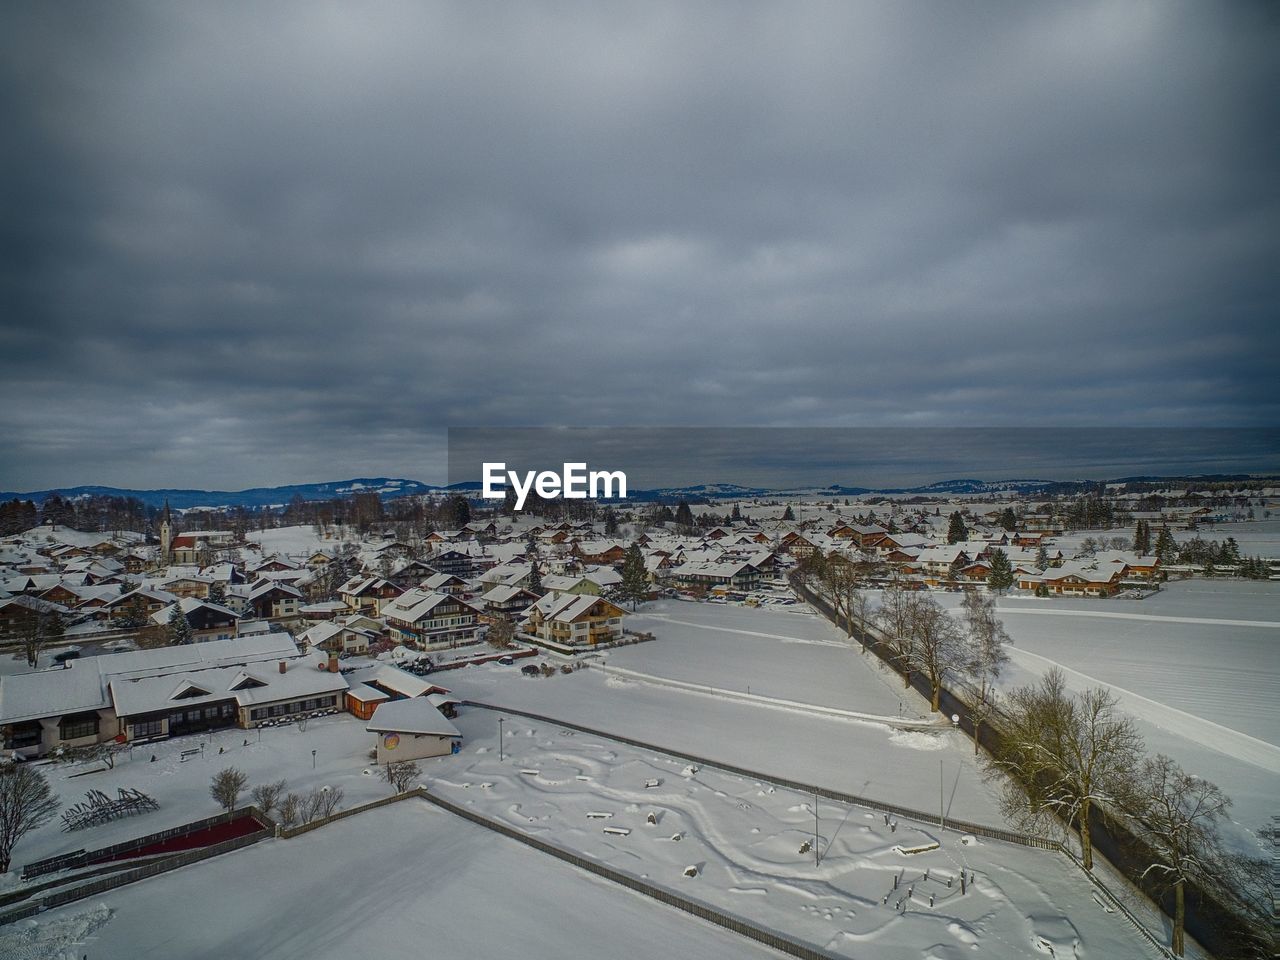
(387, 487)
(390, 488)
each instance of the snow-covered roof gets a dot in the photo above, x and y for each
(415, 715)
(84, 684)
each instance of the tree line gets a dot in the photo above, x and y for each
(1058, 757)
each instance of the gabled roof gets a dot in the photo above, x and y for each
(414, 715)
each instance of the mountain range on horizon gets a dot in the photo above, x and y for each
(391, 488)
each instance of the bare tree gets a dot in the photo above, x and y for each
(1176, 816)
(840, 583)
(290, 810)
(320, 803)
(983, 657)
(501, 632)
(26, 802)
(266, 796)
(33, 624)
(895, 617)
(1062, 754)
(401, 774)
(935, 645)
(226, 787)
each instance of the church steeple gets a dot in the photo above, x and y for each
(166, 534)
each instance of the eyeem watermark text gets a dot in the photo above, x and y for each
(574, 483)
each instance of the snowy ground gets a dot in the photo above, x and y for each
(785, 652)
(407, 880)
(743, 838)
(867, 759)
(387, 881)
(1197, 665)
(182, 787)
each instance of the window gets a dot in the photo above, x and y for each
(73, 728)
(146, 728)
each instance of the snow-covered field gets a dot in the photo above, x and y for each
(1197, 665)
(388, 881)
(407, 880)
(658, 817)
(868, 759)
(785, 652)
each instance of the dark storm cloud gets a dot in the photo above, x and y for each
(248, 244)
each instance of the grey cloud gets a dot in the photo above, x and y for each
(248, 244)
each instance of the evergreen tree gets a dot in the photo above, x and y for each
(217, 593)
(610, 522)
(458, 512)
(788, 514)
(535, 577)
(1008, 519)
(1042, 558)
(957, 532)
(737, 514)
(1142, 538)
(684, 516)
(635, 580)
(1166, 548)
(179, 628)
(1230, 551)
(1001, 577)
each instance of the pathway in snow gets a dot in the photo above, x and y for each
(1020, 610)
(666, 618)
(776, 703)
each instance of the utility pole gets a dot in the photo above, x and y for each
(817, 859)
(500, 756)
(942, 816)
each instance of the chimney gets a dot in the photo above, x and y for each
(333, 661)
(284, 665)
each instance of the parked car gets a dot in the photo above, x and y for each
(71, 653)
(507, 661)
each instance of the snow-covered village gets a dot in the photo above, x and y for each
(812, 723)
(567, 480)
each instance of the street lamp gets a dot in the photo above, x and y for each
(500, 755)
(313, 759)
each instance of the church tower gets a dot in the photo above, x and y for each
(166, 535)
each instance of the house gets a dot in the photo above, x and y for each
(271, 600)
(162, 692)
(1079, 578)
(209, 621)
(387, 683)
(338, 638)
(245, 695)
(447, 583)
(717, 576)
(452, 561)
(368, 594)
(412, 729)
(423, 618)
(574, 620)
(506, 601)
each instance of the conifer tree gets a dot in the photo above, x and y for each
(179, 627)
(1001, 577)
(635, 580)
(956, 530)
(1166, 548)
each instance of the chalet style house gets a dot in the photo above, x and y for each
(420, 618)
(574, 620)
(368, 594)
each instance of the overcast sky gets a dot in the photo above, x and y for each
(249, 244)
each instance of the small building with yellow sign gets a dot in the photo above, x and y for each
(412, 729)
